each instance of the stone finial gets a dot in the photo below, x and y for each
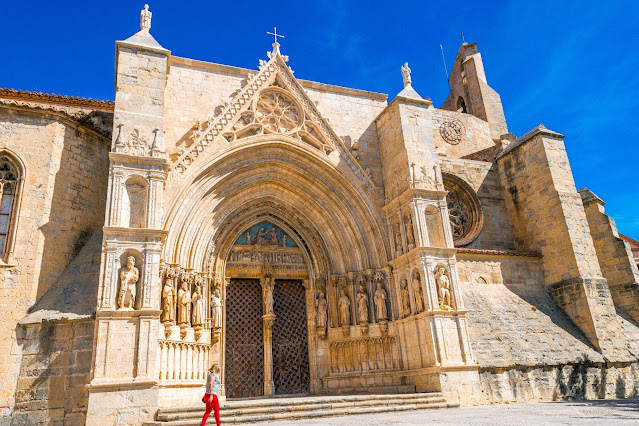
(406, 74)
(145, 19)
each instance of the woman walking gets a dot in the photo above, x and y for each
(210, 397)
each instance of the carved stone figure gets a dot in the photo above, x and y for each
(184, 300)
(274, 240)
(406, 74)
(129, 276)
(321, 310)
(247, 237)
(405, 298)
(380, 302)
(198, 307)
(145, 19)
(268, 295)
(344, 305)
(417, 291)
(261, 237)
(362, 306)
(168, 295)
(410, 231)
(398, 242)
(443, 286)
(216, 307)
(284, 238)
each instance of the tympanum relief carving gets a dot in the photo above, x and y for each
(266, 243)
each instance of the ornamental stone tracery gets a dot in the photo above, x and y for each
(277, 112)
(464, 210)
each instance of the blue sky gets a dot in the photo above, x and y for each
(570, 65)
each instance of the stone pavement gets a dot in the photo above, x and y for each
(619, 411)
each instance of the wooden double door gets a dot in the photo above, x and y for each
(244, 358)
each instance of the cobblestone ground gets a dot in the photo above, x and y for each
(621, 411)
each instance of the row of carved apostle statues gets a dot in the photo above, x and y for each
(380, 298)
(183, 299)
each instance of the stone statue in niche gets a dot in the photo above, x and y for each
(321, 310)
(269, 282)
(362, 305)
(168, 295)
(184, 299)
(198, 307)
(443, 286)
(398, 242)
(261, 237)
(417, 291)
(410, 232)
(129, 277)
(380, 303)
(247, 237)
(284, 238)
(216, 307)
(344, 305)
(405, 298)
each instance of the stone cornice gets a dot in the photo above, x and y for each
(465, 251)
(307, 84)
(60, 112)
(51, 98)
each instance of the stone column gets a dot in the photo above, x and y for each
(269, 385)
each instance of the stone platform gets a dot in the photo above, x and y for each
(298, 408)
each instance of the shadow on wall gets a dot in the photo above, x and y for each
(78, 203)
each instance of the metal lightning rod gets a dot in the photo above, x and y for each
(444, 59)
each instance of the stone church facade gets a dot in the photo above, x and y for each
(307, 237)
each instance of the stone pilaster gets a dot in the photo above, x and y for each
(548, 216)
(434, 335)
(125, 365)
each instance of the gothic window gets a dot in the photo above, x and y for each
(11, 179)
(464, 210)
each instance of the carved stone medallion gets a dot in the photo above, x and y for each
(452, 131)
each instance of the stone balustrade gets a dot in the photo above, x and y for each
(183, 361)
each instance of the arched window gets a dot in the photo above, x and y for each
(11, 180)
(461, 105)
(464, 210)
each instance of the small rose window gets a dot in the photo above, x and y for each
(464, 210)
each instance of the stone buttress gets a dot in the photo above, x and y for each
(123, 388)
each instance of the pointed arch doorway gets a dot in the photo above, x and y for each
(266, 349)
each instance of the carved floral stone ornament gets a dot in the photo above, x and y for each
(452, 131)
(277, 112)
(464, 210)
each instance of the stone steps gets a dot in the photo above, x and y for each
(279, 409)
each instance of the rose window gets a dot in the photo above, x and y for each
(464, 210)
(277, 112)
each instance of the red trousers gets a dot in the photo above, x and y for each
(211, 404)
